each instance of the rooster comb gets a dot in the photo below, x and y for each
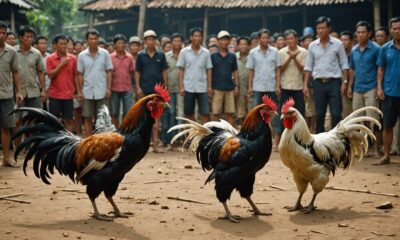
(269, 102)
(162, 91)
(288, 104)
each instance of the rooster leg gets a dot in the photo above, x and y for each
(256, 211)
(228, 214)
(97, 215)
(311, 206)
(117, 212)
(298, 205)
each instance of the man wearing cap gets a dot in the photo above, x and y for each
(224, 80)
(151, 68)
(134, 47)
(195, 76)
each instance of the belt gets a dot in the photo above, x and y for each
(326, 80)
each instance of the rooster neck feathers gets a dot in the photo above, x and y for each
(253, 121)
(300, 130)
(135, 114)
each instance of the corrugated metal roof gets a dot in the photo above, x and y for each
(20, 3)
(102, 5)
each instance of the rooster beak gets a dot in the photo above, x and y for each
(166, 105)
(282, 117)
(275, 113)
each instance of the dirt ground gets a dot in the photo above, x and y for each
(62, 210)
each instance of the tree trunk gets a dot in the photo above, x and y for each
(377, 13)
(142, 18)
(12, 19)
(205, 26)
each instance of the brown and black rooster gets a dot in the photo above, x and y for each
(233, 157)
(99, 161)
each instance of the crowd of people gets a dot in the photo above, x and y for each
(223, 79)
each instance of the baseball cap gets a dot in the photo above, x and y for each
(134, 39)
(149, 33)
(223, 33)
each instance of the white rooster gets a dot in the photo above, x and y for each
(312, 157)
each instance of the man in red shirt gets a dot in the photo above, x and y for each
(61, 69)
(121, 84)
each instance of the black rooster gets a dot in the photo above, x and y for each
(234, 158)
(99, 161)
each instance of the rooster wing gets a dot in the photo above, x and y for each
(345, 143)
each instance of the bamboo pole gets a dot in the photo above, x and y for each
(142, 18)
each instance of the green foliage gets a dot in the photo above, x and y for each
(52, 15)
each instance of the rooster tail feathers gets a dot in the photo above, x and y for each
(194, 131)
(358, 111)
(37, 115)
(210, 177)
(356, 135)
(48, 143)
(104, 121)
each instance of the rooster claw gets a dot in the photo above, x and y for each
(309, 209)
(232, 218)
(259, 213)
(119, 215)
(102, 217)
(294, 208)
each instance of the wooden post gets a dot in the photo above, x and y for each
(264, 16)
(91, 20)
(377, 13)
(142, 18)
(304, 16)
(226, 20)
(12, 18)
(205, 26)
(390, 10)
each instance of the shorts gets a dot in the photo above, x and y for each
(6, 106)
(244, 105)
(61, 108)
(366, 99)
(91, 107)
(28, 102)
(391, 111)
(224, 99)
(190, 102)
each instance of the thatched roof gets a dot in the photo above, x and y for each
(102, 5)
(26, 4)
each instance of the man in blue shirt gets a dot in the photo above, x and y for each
(363, 72)
(388, 88)
(225, 79)
(151, 68)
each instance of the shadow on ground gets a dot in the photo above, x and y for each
(91, 227)
(323, 216)
(249, 226)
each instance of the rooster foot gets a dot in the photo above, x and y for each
(119, 214)
(309, 209)
(259, 213)
(232, 218)
(102, 217)
(294, 208)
